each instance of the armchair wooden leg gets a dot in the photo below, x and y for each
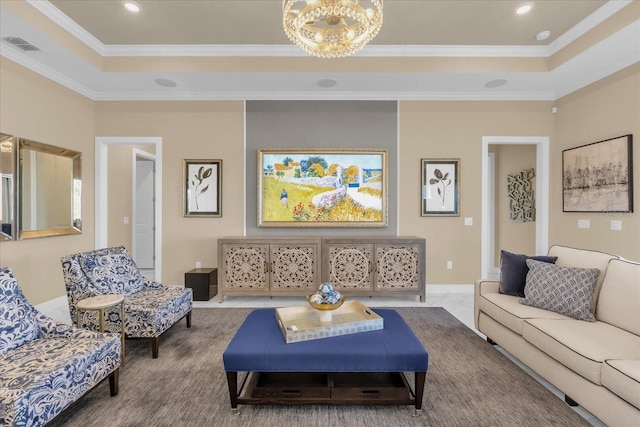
(113, 382)
(188, 319)
(155, 344)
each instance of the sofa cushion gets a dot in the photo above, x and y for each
(18, 323)
(112, 273)
(622, 377)
(581, 346)
(564, 290)
(583, 258)
(619, 296)
(507, 310)
(513, 271)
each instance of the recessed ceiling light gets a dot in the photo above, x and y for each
(495, 83)
(543, 35)
(327, 83)
(166, 82)
(524, 8)
(131, 7)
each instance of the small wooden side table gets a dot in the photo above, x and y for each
(100, 304)
(203, 281)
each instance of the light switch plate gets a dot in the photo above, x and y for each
(584, 223)
(468, 221)
(616, 224)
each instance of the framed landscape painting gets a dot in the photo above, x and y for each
(322, 188)
(440, 187)
(598, 177)
(202, 188)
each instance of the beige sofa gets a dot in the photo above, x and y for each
(596, 365)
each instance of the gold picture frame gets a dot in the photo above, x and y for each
(322, 188)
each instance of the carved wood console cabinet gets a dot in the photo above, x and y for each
(290, 266)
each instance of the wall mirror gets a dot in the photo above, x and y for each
(49, 190)
(8, 151)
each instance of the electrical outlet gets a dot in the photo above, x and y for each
(584, 223)
(468, 221)
(126, 220)
(198, 264)
(616, 224)
(449, 265)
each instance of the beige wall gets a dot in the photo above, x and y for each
(518, 237)
(189, 130)
(606, 109)
(37, 109)
(455, 130)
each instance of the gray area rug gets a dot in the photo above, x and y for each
(468, 383)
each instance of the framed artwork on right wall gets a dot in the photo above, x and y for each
(598, 177)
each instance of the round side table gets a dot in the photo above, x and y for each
(100, 304)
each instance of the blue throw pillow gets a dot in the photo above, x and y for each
(513, 271)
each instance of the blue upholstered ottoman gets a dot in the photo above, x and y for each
(361, 368)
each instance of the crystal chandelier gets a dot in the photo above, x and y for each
(331, 28)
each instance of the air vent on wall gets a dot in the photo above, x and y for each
(20, 43)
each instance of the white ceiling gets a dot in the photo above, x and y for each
(204, 44)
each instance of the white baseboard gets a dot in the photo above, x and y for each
(450, 289)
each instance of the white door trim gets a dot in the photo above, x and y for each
(101, 147)
(542, 192)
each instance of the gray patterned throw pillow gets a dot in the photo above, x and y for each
(564, 290)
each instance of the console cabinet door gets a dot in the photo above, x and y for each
(245, 267)
(349, 266)
(294, 268)
(398, 267)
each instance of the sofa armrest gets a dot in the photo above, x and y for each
(487, 286)
(150, 284)
(483, 287)
(53, 329)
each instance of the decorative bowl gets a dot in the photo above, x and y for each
(325, 307)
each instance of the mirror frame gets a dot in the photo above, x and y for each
(9, 144)
(76, 157)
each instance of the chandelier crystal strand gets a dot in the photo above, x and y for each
(331, 28)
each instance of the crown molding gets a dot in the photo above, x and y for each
(607, 10)
(323, 96)
(56, 15)
(294, 51)
(26, 61)
(53, 13)
(627, 39)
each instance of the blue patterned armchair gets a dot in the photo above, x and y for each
(45, 366)
(150, 308)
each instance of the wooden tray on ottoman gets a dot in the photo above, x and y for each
(302, 323)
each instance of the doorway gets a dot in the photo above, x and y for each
(541, 201)
(101, 200)
(142, 211)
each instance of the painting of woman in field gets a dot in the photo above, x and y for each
(328, 188)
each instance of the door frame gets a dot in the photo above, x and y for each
(102, 144)
(542, 193)
(139, 154)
